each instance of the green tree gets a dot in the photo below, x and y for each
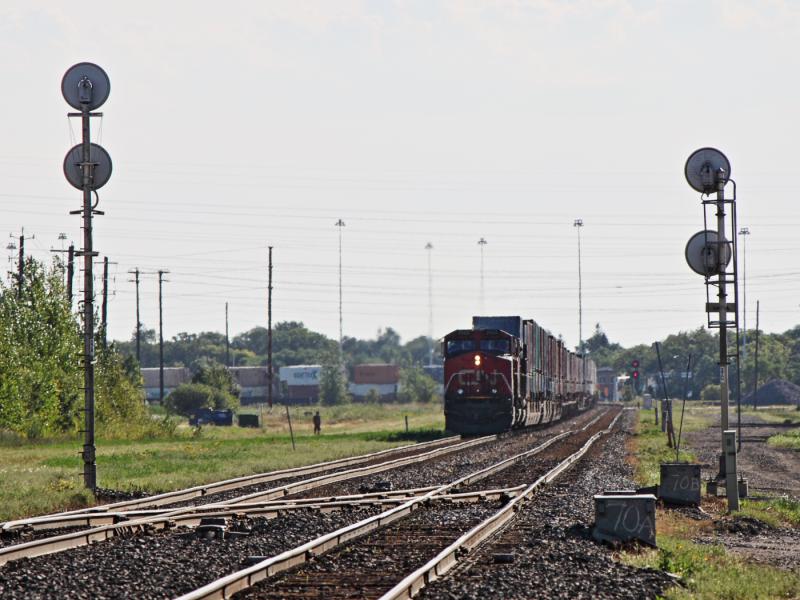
(215, 375)
(332, 384)
(416, 386)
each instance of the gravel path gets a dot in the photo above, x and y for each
(554, 555)
(163, 565)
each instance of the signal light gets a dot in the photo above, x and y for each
(636, 374)
(635, 364)
(477, 360)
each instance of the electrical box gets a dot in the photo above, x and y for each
(680, 483)
(625, 516)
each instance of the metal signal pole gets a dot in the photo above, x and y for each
(161, 335)
(21, 266)
(340, 224)
(269, 330)
(578, 224)
(481, 243)
(70, 272)
(429, 248)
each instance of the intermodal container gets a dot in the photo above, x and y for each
(376, 374)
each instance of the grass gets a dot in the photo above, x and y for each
(789, 440)
(706, 570)
(709, 571)
(46, 476)
(648, 447)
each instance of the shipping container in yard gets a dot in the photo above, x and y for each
(300, 375)
(386, 391)
(376, 374)
(305, 393)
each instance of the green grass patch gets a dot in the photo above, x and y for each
(46, 476)
(789, 440)
(709, 572)
(780, 512)
(649, 445)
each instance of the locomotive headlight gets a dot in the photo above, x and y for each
(460, 391)
(494, 390)
(477, 360)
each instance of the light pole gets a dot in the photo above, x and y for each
(744, 232)
(429, 248)
(578, 224)
(340, 224)
(481, 243)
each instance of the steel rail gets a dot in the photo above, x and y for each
(226, 586)
(447, 558)
(98, 534)
(227, 484)
(272, 507)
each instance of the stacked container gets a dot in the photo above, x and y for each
(383, 378)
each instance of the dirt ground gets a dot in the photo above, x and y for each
(769, 471)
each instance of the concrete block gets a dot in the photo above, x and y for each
(625, 517)
(680, 483)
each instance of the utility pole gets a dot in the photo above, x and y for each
(104, 307)
(20, 261)
(755, 375)
(135, 279)
(481, 243)
(578, 224)
(269, 330)
(161, 335)
(70, 265)
(340, 224)
(429, 248)
(227, 339)
(744, 232)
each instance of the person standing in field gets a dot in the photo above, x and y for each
(317, 423)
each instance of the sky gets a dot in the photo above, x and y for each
(236, 125)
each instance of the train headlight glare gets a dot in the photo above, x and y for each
(460, 391)
(494, 390)
(477, 360)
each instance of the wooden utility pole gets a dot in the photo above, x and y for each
(755, 375)
(227, 339)
(269, 331)
(104, 306)
(161, 335)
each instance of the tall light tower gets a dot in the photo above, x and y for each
(429, 248)
(744, 232)
(340, 224)
(578, 224)
(481, 243)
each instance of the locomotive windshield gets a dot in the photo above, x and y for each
(496, 346)
(455, 347)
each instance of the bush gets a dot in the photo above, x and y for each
(217, 376)
(710, 392)
(417, 386)
(188, 398)
(332, 386)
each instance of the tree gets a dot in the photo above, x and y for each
(373, 397)
(416, 386)
(332, 386)
(215, 375)
(188, 398)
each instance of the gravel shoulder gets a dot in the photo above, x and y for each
(554, 555)
(768, 469)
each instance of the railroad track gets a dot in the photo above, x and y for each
(364, 570)
(301, 519)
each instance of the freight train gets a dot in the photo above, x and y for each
(509, 372)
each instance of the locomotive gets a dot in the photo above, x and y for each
(509, 372)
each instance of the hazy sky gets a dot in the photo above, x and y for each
(234, 125)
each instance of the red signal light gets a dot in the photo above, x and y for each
(636, 374)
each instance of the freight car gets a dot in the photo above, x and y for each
(509, 372)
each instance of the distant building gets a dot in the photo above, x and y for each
(607, 382)
(173, 377)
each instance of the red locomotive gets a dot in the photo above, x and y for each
(508, 372)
